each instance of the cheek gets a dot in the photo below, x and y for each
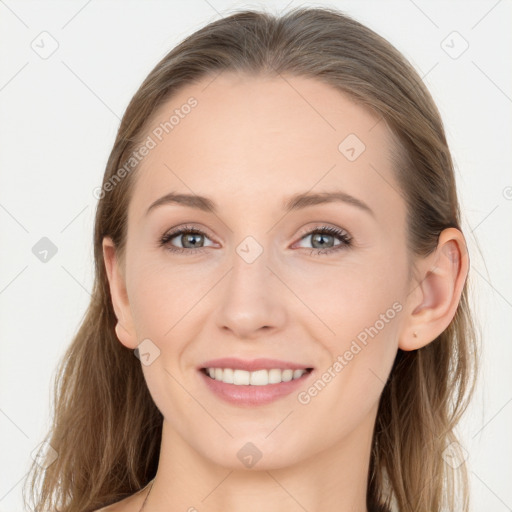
(365, 319)
(157, 299)
(345, 301)
(361, 312)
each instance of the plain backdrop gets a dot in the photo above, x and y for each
(67, 72)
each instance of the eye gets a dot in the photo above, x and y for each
(324, 237)
(188, 237)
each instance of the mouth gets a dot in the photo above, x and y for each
(256, 382)
(262, 377)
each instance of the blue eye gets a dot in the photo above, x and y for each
(320, 235)
(190, 239)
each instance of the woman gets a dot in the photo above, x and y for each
(278, 243)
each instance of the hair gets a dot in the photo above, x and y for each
(106, 428)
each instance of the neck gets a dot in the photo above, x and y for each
(333, 480)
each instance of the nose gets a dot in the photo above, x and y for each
(252, 303)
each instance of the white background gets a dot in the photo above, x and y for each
(59, 117)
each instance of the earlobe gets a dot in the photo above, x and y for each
(125, 336)
(124, 328)
(434, 301)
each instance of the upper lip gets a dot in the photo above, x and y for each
(253, 364)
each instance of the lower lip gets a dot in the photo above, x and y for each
(253, 395)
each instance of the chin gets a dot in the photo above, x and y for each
(257, 454)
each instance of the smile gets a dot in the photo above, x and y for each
(254, 378)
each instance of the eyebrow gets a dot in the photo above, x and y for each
(295, 202)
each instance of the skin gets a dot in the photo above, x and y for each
(249, 144)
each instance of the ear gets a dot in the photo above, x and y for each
(433, 302)
(114, 266)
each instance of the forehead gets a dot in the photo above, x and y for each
(251, 138)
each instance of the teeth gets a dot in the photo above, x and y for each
(256, 378)
(298, 373)
(240, 377)
(274, 376)
(227, 376)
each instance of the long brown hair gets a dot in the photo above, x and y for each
(106, 428)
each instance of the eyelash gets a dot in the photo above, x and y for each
(325, 230)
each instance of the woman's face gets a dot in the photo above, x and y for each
(260, 280)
